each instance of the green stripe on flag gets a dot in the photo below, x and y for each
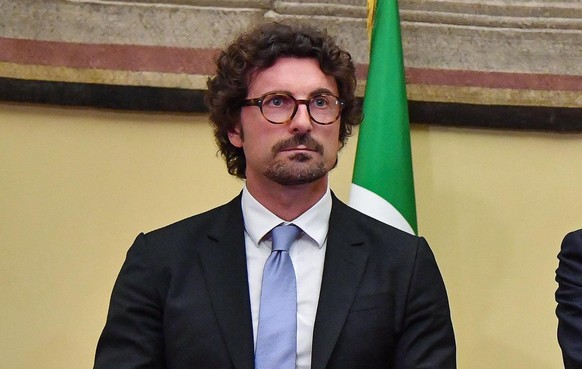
(383, 162)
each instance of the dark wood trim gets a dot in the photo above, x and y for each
(144, 98)
(530, 118)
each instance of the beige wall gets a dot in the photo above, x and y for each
(77, 185)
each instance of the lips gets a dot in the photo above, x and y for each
(299, 148)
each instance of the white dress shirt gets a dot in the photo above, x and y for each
(307, 254)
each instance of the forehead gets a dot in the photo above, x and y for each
(298, 76)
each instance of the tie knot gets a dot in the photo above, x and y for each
(283, 236)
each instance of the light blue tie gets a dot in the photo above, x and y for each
(277, 332)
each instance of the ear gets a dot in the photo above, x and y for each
(235, 137)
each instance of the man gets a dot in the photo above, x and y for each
(350, 293)
(569, 298)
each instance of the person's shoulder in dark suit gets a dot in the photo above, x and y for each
(402, 265)
(197, 227)
(158, 266)
(569, 299)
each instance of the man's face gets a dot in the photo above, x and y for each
(298, 151)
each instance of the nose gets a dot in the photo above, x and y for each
(301, 121)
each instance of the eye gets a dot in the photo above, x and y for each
(320, 102)
(276, 101)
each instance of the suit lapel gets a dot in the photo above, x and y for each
(345, 260)
(224, 263)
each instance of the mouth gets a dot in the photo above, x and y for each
(298, 148)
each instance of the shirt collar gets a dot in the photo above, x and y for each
(259, 220)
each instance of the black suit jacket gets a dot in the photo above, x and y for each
(181, 300)
(569, 298)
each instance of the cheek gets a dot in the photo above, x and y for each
(332, 151)
(333, 142)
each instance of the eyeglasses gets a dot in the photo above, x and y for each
(279, 107)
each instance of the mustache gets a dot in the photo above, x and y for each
(298, 140)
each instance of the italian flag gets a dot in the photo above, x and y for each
(382, 183)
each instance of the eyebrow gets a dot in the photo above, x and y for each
(322, 91)
(315, 92)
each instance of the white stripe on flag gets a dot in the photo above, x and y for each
(377, 207)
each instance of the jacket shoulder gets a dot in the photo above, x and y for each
(370, 228)
(197, 228)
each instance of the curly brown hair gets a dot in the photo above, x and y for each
(257, 50)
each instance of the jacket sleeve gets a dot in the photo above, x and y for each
(569, 299)
(132, 337)
(426, 339)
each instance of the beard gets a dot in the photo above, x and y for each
(300, 168)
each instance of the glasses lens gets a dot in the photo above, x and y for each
(278, 108)
(324, 109)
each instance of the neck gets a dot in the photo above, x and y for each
(288, 202)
